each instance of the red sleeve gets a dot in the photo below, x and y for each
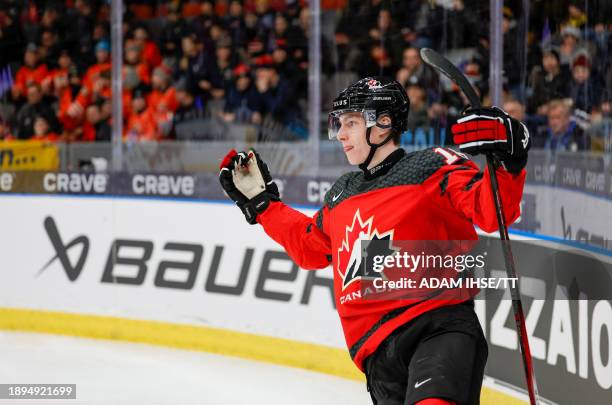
(468, 190)
(83, 98)
(302, 237)
(152, 55)
(143, 72)
(21, 80)
(41, 73)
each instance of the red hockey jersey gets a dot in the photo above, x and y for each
(434, 194)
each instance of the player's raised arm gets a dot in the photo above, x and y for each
(247, 180)
(486, 130)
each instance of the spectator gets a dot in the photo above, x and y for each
(201, 74)
(203, 22)
(102, 63)
(215, 34)
(97, 126)
(512, 51)
(100, 31)
(49, 46)
(140, 123)
(234, 23)
(472, 72)
(173, 30)
(570, 45)
(516, 110)
(602, 39)
(562, 132)
(32, 72)
(100, 90)
(162, 117)
(34, 107)
(576, 16)
(550, 81)
(187, 109)
(63, 64)
(225, 60)
(252, 29)
(461, 21)
(347, 56)
(417, 117)
(5, 131)
(135, 71)
(600, 128)
(420, 28)
(280, 100)
(585, 89)
(42, 130)
(150, 52)
(265, 16)
(79, 32)
(386, 35)
(243, 102)
(377, 61)
(286, 66)
(188, 119)
(297, 38)
(413, 71)
(231, 32)
(69, 112)
(280, 31)
(162, 92)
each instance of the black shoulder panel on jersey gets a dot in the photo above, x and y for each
(444, 181)
(340, 190)
(414, 168)
(319, 221)
(477, 177)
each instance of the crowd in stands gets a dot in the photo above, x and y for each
(246, 62)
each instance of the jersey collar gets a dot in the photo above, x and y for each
(384, 166)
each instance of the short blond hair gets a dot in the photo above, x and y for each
(558, 103)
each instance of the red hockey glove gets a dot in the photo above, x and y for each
(246, 180)
(484, 130)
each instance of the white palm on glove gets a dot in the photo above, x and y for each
(245, 178)
(246, 175)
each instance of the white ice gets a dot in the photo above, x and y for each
(109, 372)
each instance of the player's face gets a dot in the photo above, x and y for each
(352, 137)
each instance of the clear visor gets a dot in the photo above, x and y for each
(350, 119)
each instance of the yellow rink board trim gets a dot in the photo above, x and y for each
(268, 349)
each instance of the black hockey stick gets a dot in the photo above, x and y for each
(444, 66)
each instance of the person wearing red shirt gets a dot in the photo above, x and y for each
(67, 90)
(42, 131)
(150, 52)
(135, 71)
(103, 63)
(141, 122)
(162, 91)
(420, 350)
(31, 72)
(64, 63)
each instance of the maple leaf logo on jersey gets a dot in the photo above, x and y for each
(351, 266)
(374, 84)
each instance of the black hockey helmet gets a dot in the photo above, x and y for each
(373, 96)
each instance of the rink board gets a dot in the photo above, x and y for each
(195, 276)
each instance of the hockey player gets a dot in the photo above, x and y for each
(428, 351)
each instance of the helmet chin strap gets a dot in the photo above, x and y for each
(373, 146)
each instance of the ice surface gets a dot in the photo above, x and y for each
(109, 372)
